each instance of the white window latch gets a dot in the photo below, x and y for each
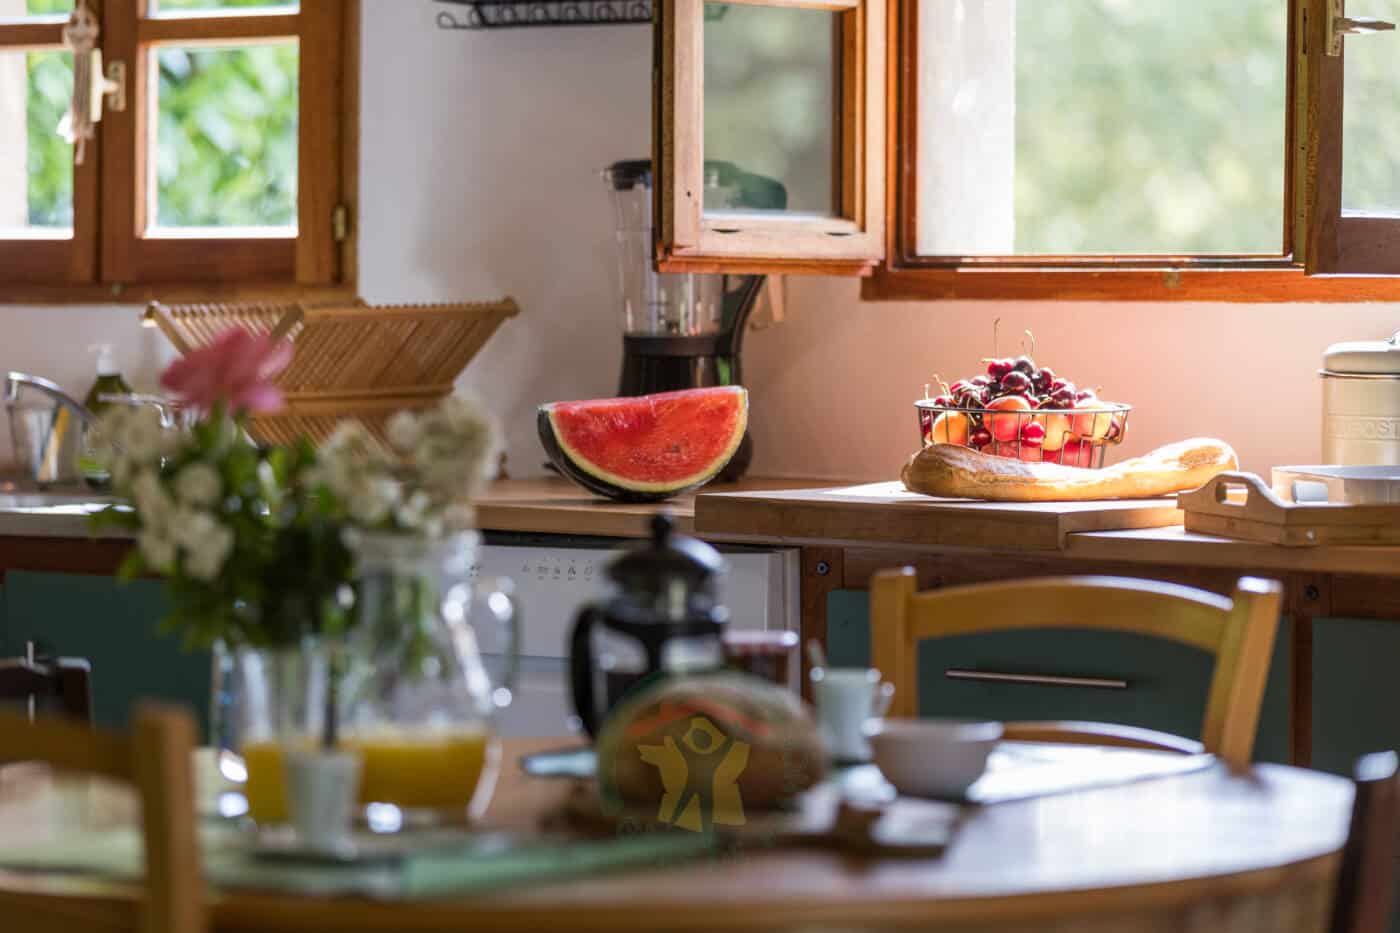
(1339, 26)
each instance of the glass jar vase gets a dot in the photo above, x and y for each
(420, 704)
(274, 699)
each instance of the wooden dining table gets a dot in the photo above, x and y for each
(1204, 851)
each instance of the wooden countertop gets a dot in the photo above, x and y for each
(873, 516)
(554, 505)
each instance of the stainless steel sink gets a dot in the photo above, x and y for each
(19, 497)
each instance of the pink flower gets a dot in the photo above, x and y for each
(237, 369)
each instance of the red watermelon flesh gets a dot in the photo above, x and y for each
(650, 444)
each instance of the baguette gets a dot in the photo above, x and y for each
(948, 470)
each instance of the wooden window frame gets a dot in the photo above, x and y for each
(1311, 152)
(757, 243)
(109, 258)
(1338, 241)
(40, 261)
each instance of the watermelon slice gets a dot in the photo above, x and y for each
(647, 448)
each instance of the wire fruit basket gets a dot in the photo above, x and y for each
(1078, 437)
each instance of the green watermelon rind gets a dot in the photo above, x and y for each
(596, 479)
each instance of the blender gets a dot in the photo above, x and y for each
(683, 330)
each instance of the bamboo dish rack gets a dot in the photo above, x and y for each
(351, 361)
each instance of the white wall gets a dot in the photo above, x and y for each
(479, 168)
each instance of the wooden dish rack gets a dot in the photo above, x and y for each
(351, 361)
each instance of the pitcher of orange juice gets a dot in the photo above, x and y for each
(420, 703)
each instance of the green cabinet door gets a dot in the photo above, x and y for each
(1356, 691)
(115, 627)
(1156, 684)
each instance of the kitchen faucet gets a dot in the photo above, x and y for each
(15, 382)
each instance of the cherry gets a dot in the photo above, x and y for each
(1058, 384)
(1016, 382)
(980, 438)
(1082, 394)
(943, 401)
(982, 381)
(958, 388)
(972, 399)
(1064, 398)
(998, 368)
(1024, 365)
(1043, 379)
(1032, 433)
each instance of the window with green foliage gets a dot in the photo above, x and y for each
(204, 175)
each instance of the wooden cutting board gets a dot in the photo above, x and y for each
(887, 513)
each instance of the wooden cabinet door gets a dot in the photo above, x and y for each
(115, 626)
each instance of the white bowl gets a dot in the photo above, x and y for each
(932, 757)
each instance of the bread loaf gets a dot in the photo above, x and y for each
(963, 473)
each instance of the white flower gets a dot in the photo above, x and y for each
(459, 516)
(374, 500)
(205, 561)
(157, 550)
(144, 439)
(153, 503)
(189, 527)
(199, 484)
(413, 512)
(403, 431)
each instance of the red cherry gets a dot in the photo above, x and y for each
(981, 381)
(1082, 394)
(1058, 384)
(943, 401)
(959, 387)
(980, 438)
(1016, 381)
(1032, 433)
(998, 368)
(1043, 379)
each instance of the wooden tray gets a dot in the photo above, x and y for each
(882, 513)
(1241, 505)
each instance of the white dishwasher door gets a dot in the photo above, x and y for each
(552, 582)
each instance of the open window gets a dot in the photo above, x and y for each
(1352, 208)
(222, 156)
(771, 136)
(48, 226)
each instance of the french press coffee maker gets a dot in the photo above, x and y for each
(665, 620)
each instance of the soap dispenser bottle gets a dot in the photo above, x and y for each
(109, 379)
(93, 459)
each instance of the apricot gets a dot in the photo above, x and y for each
(1007, 427)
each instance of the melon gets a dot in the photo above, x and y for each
(646, 448)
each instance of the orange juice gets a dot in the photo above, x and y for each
(266, 788)
(437, 770)
(431, 770)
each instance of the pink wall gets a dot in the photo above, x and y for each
(833, 386)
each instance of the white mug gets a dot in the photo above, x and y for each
(846, 698)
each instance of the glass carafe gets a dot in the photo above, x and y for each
(420, 704)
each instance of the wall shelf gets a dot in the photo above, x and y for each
(500, 14)
(506, 14)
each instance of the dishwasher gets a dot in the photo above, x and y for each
(554, 575)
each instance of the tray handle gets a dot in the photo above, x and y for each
(1213, 498)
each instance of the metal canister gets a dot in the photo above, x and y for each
(1361, 402)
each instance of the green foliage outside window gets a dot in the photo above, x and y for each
(226, 130)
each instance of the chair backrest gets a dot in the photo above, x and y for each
(62, 684)
(1239, 631)
(158, 759)
(1366, 880)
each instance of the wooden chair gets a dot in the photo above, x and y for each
(1366, 880)
(158, 759)
(64, 683)
(1238, 631)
